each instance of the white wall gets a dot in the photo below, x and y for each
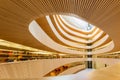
(32, 69)
(37, 68)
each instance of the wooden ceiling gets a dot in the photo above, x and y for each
(16, 15)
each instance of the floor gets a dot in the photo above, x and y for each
(82, 75)
(106, 73)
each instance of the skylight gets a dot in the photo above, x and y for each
(77, 22)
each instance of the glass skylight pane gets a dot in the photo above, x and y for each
(76, 22)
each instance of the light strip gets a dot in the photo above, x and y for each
(104, 48)
(67, 42)
(16, 45)
(99, 42)
(101, 47)
(41, 36)
(70, 43)
(82, 40)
